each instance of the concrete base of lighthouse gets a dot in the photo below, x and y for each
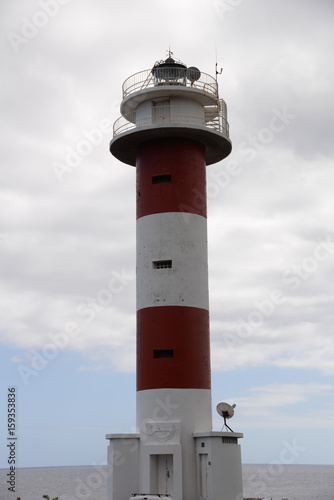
(218, 474)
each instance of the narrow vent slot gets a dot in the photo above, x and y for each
(163, 353)
(162, 264)
(159, 179)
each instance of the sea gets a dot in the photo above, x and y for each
(269, 482)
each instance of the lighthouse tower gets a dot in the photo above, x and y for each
(173, 124)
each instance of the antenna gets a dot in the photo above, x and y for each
(221, 69)
(218, 72)
(226, 411)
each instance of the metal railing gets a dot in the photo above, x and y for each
(168, 76)
(215, 117)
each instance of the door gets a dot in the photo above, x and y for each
(203, 474)
(165, 474)
(161, 112)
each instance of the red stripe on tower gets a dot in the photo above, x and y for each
(171, 177)
(173, 348)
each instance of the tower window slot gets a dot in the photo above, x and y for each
(159, 179)
(163, 353)
(162, 264)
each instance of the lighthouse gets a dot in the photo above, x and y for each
(172, 125)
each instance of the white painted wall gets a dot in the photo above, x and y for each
(166, 420)
(224, 470)
(181, 238)
(172, 109)
(191, 111)
(123, 466)
(144, 113)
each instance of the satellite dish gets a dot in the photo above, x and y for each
(226, 411)
(193, 74)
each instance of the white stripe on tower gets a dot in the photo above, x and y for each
(177, 240)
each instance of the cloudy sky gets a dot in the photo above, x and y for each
(67, 223)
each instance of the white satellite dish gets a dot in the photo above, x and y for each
(226, 411)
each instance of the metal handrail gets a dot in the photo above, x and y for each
(215, 117)
(146, 79)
